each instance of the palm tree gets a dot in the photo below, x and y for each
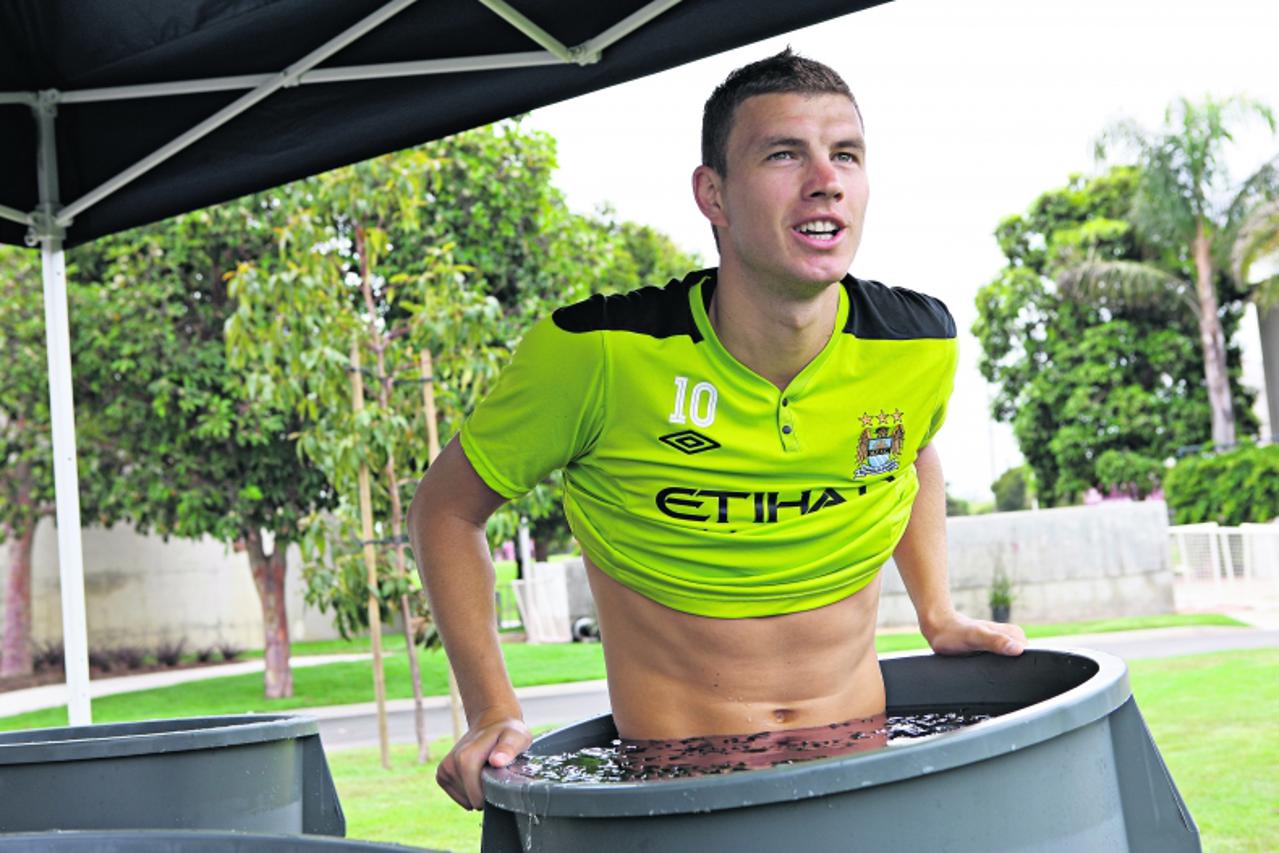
(1182, 176)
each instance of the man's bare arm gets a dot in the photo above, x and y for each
(446, 526)
(921, 560)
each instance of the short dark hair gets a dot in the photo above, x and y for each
(784, 73)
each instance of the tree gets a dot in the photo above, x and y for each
(1253, 221)
(1012, 490)
(186, 454)
(26, 453)
(1176, 209)
(1078, 378)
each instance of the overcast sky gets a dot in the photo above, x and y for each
(972, 109)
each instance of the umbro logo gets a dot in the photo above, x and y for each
(690, 442)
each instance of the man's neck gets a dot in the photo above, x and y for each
(774, 333)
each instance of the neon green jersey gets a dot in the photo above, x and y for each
(698, 483)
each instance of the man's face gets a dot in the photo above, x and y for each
(790, 210)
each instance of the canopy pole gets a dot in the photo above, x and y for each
(626, 26)
(66, 480)
(16, 215)
(513, 17)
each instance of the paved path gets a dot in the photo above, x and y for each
(347, 726)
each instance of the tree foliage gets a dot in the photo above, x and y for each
(1012, 490)
(1241, 485)
(191, 456)
(1077, 378)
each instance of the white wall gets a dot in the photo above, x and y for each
(1097, 562)
(141, 590)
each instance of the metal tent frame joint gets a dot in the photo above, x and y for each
(46, 102)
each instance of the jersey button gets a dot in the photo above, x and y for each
(785, 401)
(786, 430)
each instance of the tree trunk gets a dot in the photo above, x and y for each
(1270, 365)
(268, 577)
(1213, 342)
(15, 653)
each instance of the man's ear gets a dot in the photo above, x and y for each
(708, 192)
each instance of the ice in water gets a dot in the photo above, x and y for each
(655, 760)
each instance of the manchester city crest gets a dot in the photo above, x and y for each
(881, 443)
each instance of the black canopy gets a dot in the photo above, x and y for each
(80, 52)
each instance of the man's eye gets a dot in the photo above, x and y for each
(846, 157)
(781, 155)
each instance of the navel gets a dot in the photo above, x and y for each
(784, 715)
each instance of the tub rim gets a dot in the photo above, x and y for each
(1095, 698)
(149, 737)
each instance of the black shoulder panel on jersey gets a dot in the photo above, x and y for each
(660, 312)
(879, 312)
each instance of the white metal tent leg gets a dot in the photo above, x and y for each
(66, 478)
(67, 483)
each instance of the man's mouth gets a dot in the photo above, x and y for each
(821, 230)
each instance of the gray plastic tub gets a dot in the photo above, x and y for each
(251, 773)
(189, 841)
(1067, 766)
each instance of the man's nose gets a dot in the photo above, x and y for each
(823, 181)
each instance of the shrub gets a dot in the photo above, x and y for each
(169, 652)
(48, 656)
(129, 657)
(230, 651)
(101, 660)
(1129, 473)
(204, 655)
(1012, 490)
(1228, 488)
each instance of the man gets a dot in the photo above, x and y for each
(743, 450)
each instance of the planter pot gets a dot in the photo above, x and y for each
(1000, 612)
(252, 773)
(1067, 765)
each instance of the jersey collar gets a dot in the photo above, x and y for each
(699, 296)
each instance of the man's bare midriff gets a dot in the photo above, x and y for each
(676, 675)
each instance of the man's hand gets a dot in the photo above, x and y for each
(495, 742)
(958, 634)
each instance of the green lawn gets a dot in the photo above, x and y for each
(329, 684)
(1216, 720)
(1213, 717)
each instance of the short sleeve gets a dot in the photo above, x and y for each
(947, 363)
(545, 410)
